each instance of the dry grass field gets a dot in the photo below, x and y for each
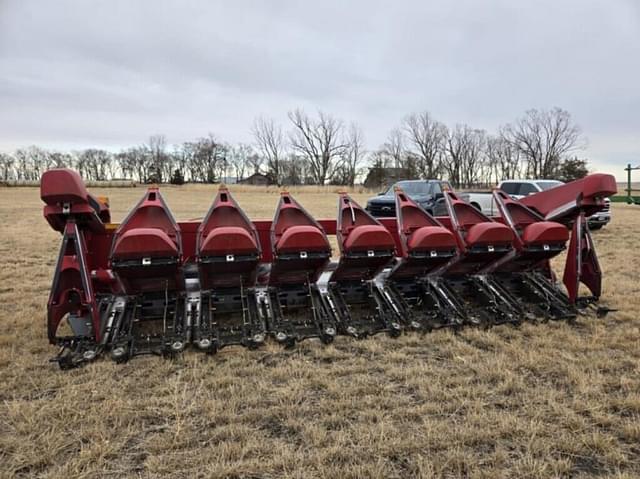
(552, 400)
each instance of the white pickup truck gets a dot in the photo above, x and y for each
(519, 189)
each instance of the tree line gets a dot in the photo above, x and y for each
(321, 149)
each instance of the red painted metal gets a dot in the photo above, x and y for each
(299, 245)
(481, 240)
(472, 228)
(290, 214)
(366, 246)
(72, 288)
(228, 249)
(151, 242)
(582, 264)
(66, 196)
(536, 241)
(148, 233)
(425, 243)
(564, 202)
(151, 212)
(67, 202)
(100, 243)
(545, 232)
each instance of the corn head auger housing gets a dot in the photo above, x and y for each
(155, 285)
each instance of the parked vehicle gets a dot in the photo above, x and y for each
(481, 200)
(601, 218)
(519, 189)
(427, 193)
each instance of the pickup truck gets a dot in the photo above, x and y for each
(519, 189)
(427, 193)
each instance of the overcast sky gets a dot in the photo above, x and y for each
(110, 73)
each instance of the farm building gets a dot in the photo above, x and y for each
(378, 176)
(256, 179)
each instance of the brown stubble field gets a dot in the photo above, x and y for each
(548, 400)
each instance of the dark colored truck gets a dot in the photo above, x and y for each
(427, 193)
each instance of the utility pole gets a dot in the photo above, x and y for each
(629, 169)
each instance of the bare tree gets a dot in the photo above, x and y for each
(57, 159)
(94, 163)
(464, 161)
(452, 161)
(138, 162)
(179, 160)
(475, 166)
(208, 155)
(6, 163)
(352, 156)
(125, 163)
(380, 158)
(33, 161)
(254, 162)
(21, 162)
(321, 149)
(224, 162)
(543, 138)
(188, 150)
(239, 158)
(394, 153)
(270, 142)
(395, 148)
(319, 141)
(427, 137)
(294, 169)
(39, 160)
(503, 158)
(158, 158)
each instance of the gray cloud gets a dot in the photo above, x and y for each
(110, 73)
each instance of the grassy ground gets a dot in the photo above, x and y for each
(552, 400)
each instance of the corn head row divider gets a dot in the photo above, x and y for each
(152, 285)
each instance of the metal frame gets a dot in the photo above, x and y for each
(630, 199)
